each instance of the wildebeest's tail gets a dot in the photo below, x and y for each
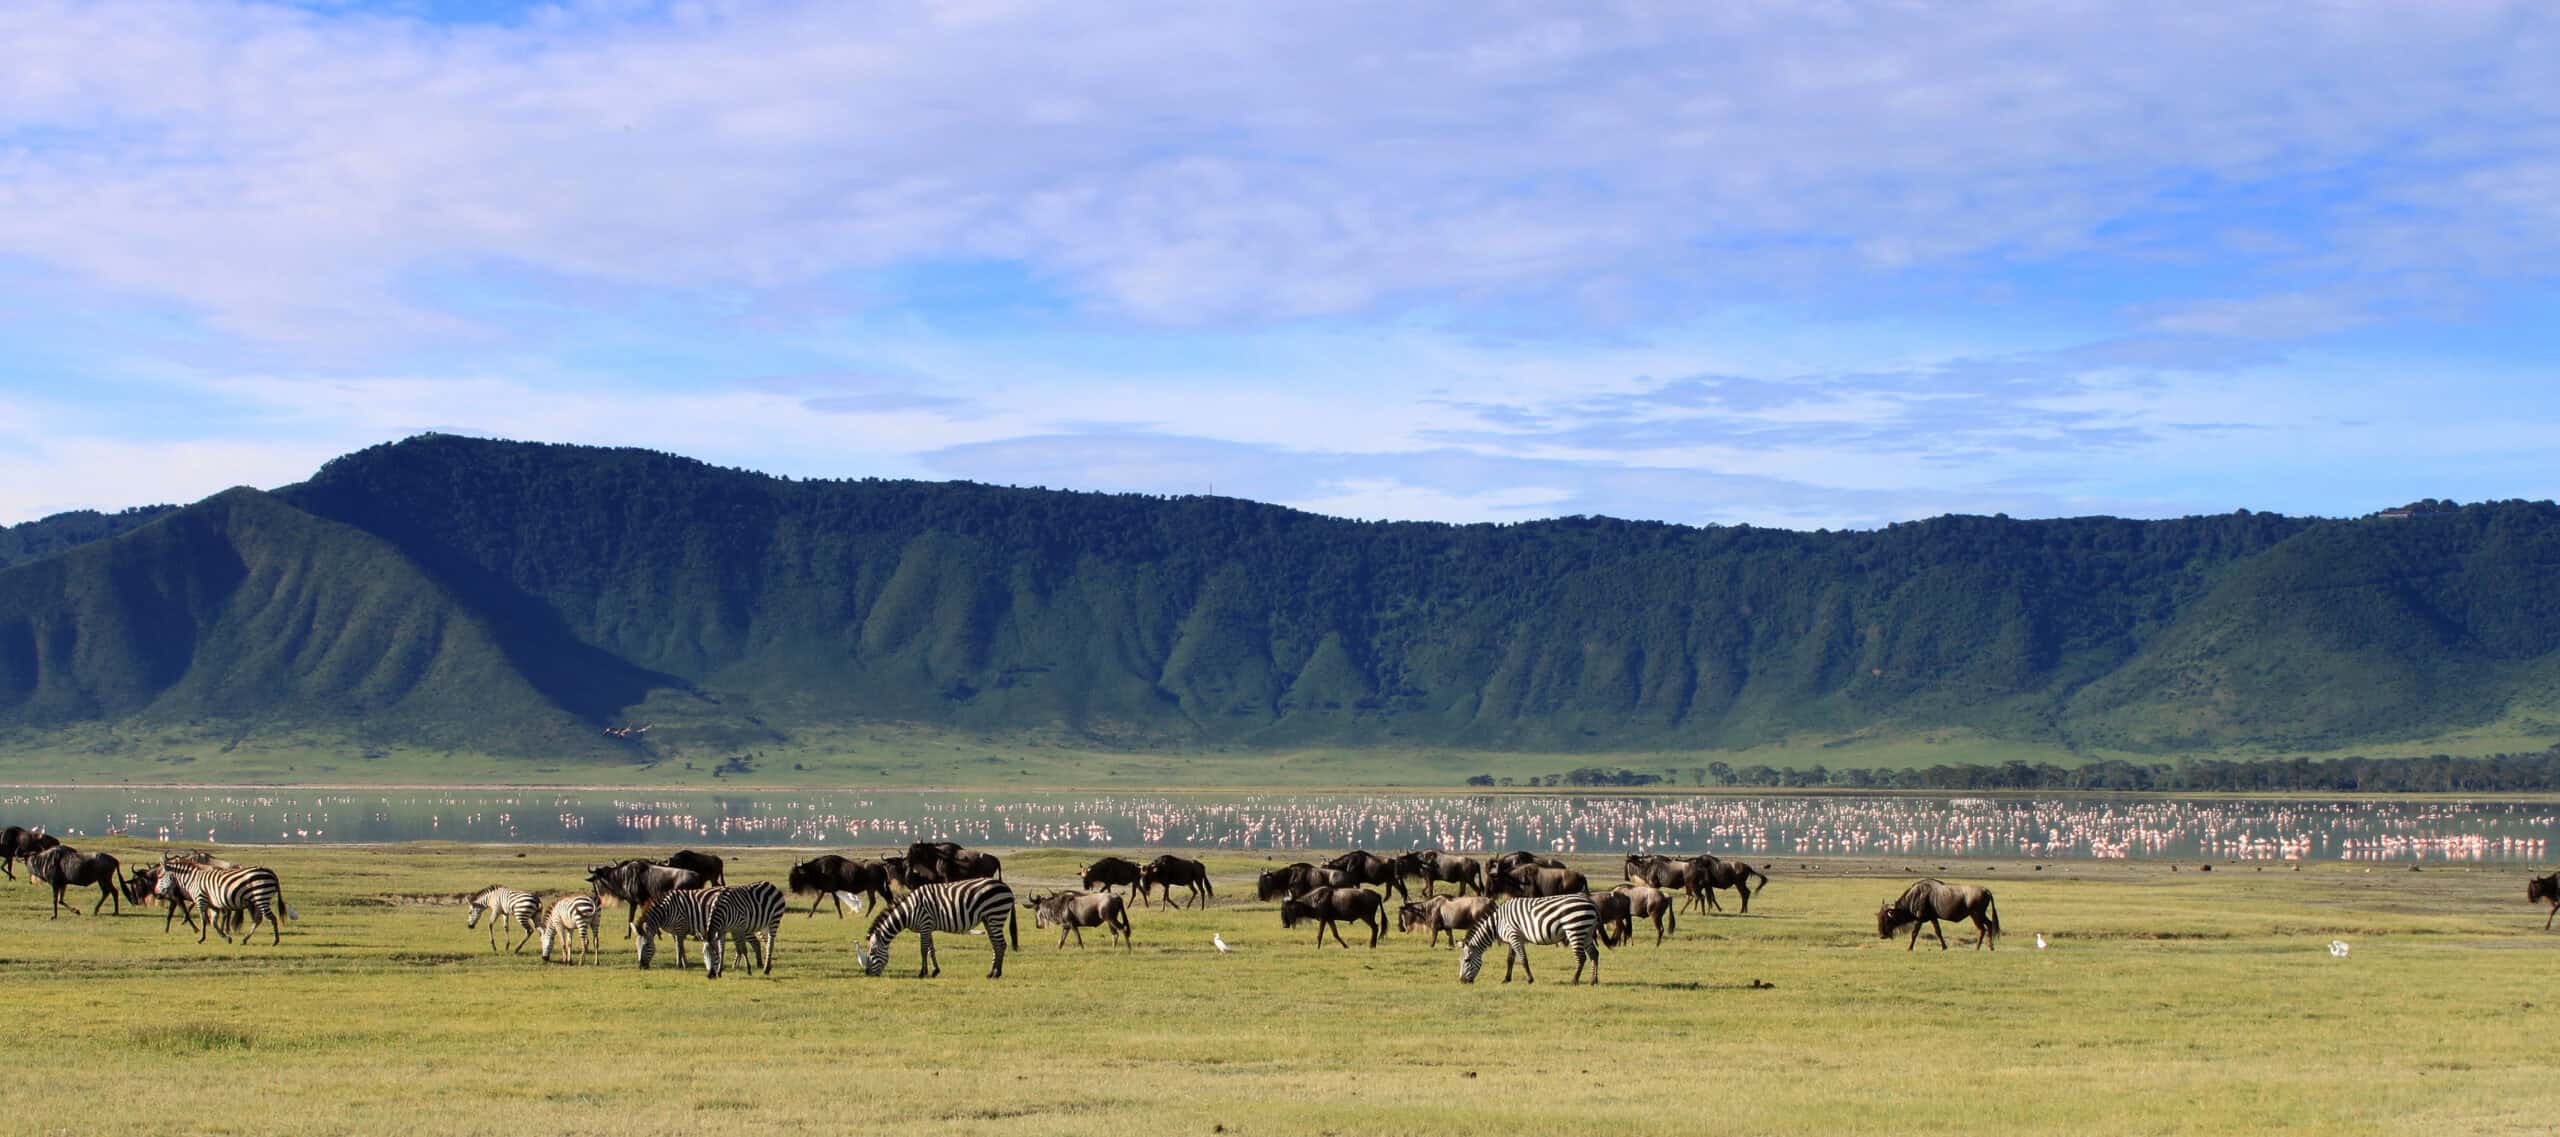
(1764, 879)
(1991, 915)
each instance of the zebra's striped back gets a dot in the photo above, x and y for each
(502, 905)
(955, 906)
(1571, 919)
(750, 915)
(681, 913)
(220, 892)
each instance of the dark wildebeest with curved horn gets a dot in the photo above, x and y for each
(1328, 905)
(714, 873)
(1933, 900)
(1076, 911)
(834, 877)
(1622, 906)
(1444, 915)
(638, 883)
(65, 867)
(1670, 874)
(2545, 888)
(1714, 872)
(1168, 870)
(1366, 867)
(17, 844)
(1110, 871)
(1533, 881)
(1436, 867)
(941, 862)
(1292, 879)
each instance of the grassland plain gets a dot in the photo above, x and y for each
(2169, 1003)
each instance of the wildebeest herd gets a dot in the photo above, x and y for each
(1518, 899)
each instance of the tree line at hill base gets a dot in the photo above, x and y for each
(2533, 772)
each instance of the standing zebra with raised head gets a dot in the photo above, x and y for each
(956, 906)
(500, 905)
(224, 893)
(1571, 919)
(572, 925)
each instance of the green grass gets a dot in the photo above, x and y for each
(2169, 1003)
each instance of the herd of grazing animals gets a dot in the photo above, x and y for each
(1519, 899)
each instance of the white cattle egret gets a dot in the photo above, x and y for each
(1219, 942)
(2039, 941)
(2338, 948)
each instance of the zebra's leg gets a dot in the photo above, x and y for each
(924, 953)
(995, 939)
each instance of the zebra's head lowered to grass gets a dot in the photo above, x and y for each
(1471, 953)
(875, 952)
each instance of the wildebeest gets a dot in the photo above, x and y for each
(940, 862)
(1076, 911)
(1439, 867)
(1516, 858)
(1365, 867)
(1713, 872)
(1292, 879)
(1444, 915)
(1168, 870)
(707, 864)
(65, 867)
(2545, 888)
(1532, 880)
(637, 884)
(1933, 900)
(1622, 906)
(17, 844)
(1327, 905)
(833, 877)
(1110, 871)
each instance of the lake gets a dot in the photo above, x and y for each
(2060, 827)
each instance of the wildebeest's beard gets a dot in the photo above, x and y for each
(1886, 923)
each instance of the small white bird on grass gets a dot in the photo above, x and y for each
(2338, 948)
(1219, 942)
(2039, 941)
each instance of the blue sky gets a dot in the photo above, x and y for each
(1784, 264)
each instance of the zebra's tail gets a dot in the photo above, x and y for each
(286, 906)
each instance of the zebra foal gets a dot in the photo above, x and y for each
(1570, 919)
(956, 906)
(572, 926)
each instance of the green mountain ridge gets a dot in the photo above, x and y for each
(513, 598)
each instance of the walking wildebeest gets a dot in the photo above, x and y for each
(1715, 872)
(1366, 867)
(1531, 880)
(1110, 871)
(707, 864)
(1670, 874)
(65, 867)
(1168, 870)
(1444, 915)
(833, 877)
(1439, 867)
(2545, 888)
(1622, 906)
(1933, 900)
(1290, 880)
(1327, 905)
(1076, 911)
(17, 844)
(637, 884)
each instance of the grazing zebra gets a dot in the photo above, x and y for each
(572, 924)
(956, 906)
(501, 905)
(1571, 919)
(751, 916)
(224, 893)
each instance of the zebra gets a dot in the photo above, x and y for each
(1571, 919)
(223, 892)
(955, 906)
(749, 916)
(572, 925)
(501, 905)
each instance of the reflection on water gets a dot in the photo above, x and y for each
(2061, 828)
